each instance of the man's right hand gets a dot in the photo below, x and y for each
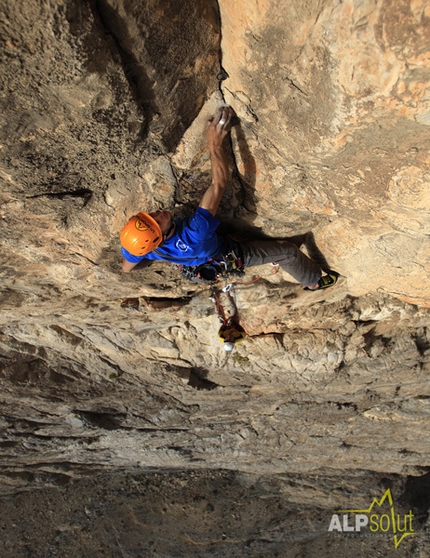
(218, 127)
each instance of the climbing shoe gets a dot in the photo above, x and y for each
(326, 281)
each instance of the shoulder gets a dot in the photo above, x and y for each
(202, 218)
(205, 214)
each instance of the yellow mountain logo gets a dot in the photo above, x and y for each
(385, 523)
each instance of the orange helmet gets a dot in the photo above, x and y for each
(141, 234)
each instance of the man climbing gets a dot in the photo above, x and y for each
(193, 240)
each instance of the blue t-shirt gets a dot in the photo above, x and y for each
(193, 242)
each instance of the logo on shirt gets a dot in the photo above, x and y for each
(182, 246)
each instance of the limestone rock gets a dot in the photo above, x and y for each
(333, 100)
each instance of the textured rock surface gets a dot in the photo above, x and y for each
(334, 103)
(103, 108)
(200, 514)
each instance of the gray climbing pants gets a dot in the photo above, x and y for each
(287, 255)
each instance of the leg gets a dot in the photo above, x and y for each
(287, 255)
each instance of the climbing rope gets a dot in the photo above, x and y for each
(229, 290)
(220, 310)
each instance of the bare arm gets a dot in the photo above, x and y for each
(217, 129)
(129, 266)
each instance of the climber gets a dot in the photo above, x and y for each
(231, 332)
(194, 240)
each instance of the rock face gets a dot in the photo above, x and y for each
(334, 101)
(103, 109)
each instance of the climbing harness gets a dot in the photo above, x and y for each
(215, 269)
(209, 272)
